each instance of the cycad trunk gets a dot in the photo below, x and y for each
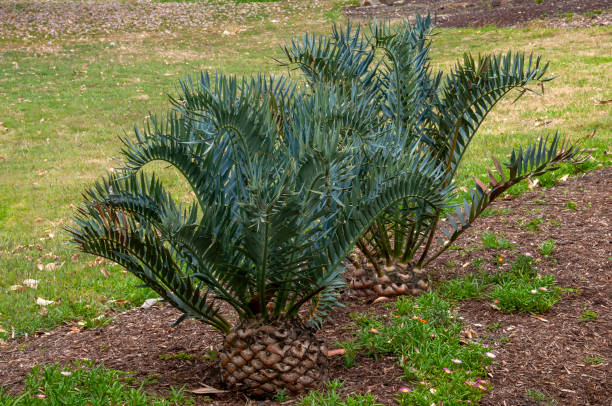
(263, 358)
(397, 279)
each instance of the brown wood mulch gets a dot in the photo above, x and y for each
(546, 352)
(480, 13)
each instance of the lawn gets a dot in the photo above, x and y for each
(64, 100)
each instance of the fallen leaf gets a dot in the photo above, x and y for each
(469, 333)
(31, 283)
(380, 299)
(605, 101)
(105, 272)
(40, 266)
(564, 177)
(373, 330)
(149, 303)
(338, 351)
(531, 184)
(43, 302)
(17, 288)
(74, 258)
(207, 390)
(52, 266)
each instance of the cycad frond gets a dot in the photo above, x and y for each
(537, 159)
(470, 91)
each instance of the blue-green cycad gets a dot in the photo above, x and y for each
(285, 182)
(440, 113)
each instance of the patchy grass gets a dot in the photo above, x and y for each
(331, 397)
(519, 290)
(85, 384)
(495, 241)
(64, 101)
(423, 333)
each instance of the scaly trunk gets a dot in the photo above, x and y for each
(261, 358)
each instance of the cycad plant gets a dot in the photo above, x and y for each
(440, 114)
(285, 180)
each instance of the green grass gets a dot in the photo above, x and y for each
(423, 334)
(495, 241)
(64, 101)
(547, 247)
(332, 397)
(84, 384)
(587, 315)
(596, 360)
(518, 290)
(178, 356)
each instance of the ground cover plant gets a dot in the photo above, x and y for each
(424, 336)
(64, 82)
(84, 383)
(520, 289)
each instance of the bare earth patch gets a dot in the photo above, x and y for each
(501, 13)
(52, 18)
(549, 352)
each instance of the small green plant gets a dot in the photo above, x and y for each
(83, 383)
(351, 349)
(596, 360)
(536, 295)
(471, 286)
(494, 241)
(281, 395)
(568, 16)
(477, 263)
(494, 326)
(179, 355)
(587, 315)
(539, 1)
(572, 205)
(533, 225)
(504, 340)
(151, 379)
(547, 247)
(331, 397)
(211, 355)
(540, 396)
(495, 212)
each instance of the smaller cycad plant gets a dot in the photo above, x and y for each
(441, 114)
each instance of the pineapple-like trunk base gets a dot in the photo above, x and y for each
(263, 358)
(397, 280)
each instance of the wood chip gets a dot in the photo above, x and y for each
(338, 351)
(539, 318)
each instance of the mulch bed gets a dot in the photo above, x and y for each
(479, 13)
(544, 352)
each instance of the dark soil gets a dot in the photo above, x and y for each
(544, 352)
(479, 13)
